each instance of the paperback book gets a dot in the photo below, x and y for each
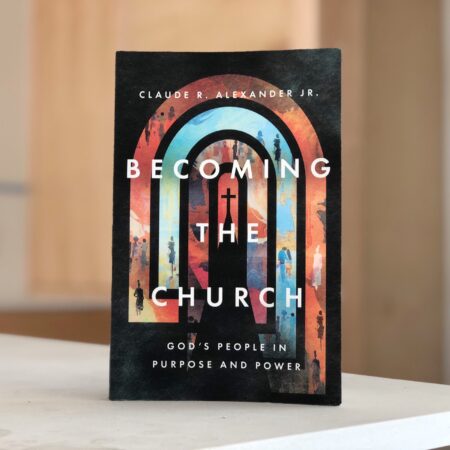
(227, 233)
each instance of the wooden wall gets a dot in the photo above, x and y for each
(392, 183)
(403, 188)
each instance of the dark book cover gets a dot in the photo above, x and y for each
(227, 233)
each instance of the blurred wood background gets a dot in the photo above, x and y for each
(392, 300)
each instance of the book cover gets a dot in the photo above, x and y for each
(226, 233)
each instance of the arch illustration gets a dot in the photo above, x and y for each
(171, 134)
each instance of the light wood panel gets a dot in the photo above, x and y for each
(72, 141)
(392, 236)
(402, 190)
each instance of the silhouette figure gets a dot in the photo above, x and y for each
(134, 250)
(161, 128)
(235, 150)
(260, 137)
(171, 245)
(139, 294)
(320, 318)
(277, 145)
(320, 327)
(144, 247)
(315, 375)
(320, 330)
(282, 257)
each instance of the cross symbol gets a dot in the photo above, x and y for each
(228, 196)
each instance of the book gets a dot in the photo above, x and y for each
(226, 227)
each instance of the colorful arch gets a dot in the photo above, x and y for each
(306, 141)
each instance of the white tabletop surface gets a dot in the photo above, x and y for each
(53, 396)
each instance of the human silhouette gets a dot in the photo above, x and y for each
(277, 145)
(144, 247)
(171, 245)
(139, 294)
(161, 127)
(320, 330)
(320, 327)
(260, 137)
(134, 249)
(315, 373)
(319, 318)
(235, 150)
(282, 257)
